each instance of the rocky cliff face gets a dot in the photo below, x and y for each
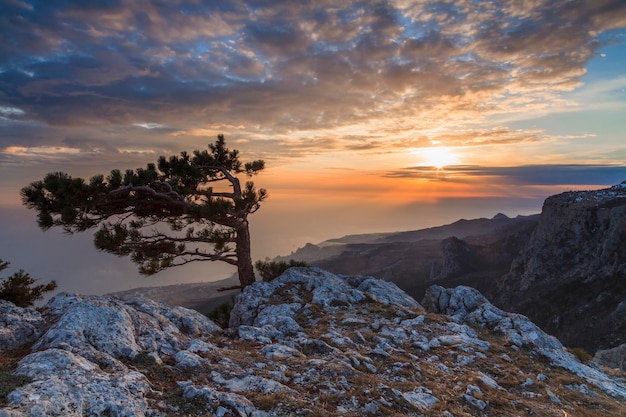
(309, 343)
(415, 260)
(571, 277)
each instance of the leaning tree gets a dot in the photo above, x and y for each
(165, 215)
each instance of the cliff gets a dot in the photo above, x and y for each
(414, 260)
(309, 343)
(571, 277)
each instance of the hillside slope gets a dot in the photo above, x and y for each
(414, 260)
(309, 343)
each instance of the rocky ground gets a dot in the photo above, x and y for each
(309, 343)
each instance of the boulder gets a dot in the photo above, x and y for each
(612, 358)
(18, 326)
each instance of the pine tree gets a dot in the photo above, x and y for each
(18, 288)
(162, 216)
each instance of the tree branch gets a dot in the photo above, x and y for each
(229, 259)
(171, 196)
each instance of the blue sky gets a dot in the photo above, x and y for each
(371, 115)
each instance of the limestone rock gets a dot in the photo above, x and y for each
(65, 384)
(612, 358)
(308, 343)
(571, 277)
(18, 326)
(467, 305)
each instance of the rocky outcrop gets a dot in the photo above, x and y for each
(80, 361)
(308, 343)
(571, 277)
(465, 261)
(18, 326)
(613, 358)
(458, 257)
(468, 306)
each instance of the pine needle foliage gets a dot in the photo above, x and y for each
(19, 289)
(270, 270)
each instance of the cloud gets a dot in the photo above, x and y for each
(405, 68)
(561, 175)
(150, 126)
(6, 111)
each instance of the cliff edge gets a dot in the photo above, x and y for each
(571, 277)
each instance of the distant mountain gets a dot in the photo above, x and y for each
(200, 296)
(414, 260)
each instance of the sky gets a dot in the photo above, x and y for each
(371, 116)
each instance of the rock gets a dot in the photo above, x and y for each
(571, 277)
(421, 398)
(93, 326)
(252, 383)
(612, 358)
(475, 402)
(386, 292)
(327, 290)
(458, 257)
(18, 326)
(279, 352)
(218, 400)
(188, 360)
(65, 384)
(311, 343)
(466, 305)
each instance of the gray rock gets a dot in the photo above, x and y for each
(310, 336)
(475, 402)
(65, 384)
(97, 327)
(252, 307)
(386, 292)
(188, 360)
(215, 399)
(612, 358)
(576, 254)
(91, 324)
(467, 305)
(18, 326)
(421, 398)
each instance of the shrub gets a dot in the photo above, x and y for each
(221, 314)
(8, 383)
(580, 353)
(270, 270)
(19, 289)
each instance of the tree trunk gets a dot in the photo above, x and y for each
(244, 258)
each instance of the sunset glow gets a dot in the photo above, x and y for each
(370, 116)
(438, 157)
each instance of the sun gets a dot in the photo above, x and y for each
(438, 157)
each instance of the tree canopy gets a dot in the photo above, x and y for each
(167, 214)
